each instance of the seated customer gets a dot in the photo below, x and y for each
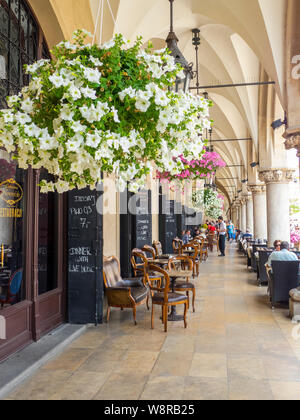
(283, 255)
(247, 235)
(186, 236)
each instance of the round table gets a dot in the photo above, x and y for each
(174, 275)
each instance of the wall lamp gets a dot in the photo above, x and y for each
(254, 164)
(278, 123)
(244, 181)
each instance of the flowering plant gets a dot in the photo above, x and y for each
(103, 109)
(196, 168)
(295, 236)
(208, 201)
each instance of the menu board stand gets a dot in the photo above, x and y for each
(85, 257)
(135, 226)
(168, 223)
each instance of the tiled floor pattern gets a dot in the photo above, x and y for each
(235, 348)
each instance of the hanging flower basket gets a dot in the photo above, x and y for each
(202, 168)
(107, 109)
(208, 201)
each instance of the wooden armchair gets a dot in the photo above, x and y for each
(159, 252)
(122, 293)
(162, 296)
(177, 246)
(195, 247)
(149, 250)
(184, 285)
(137, 263)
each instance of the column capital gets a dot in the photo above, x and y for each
(292, 141)
(258, 189)
(277, 176)
(248, 197)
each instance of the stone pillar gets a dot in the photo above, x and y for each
(234, 215)
(259, 211)
(278, 206)
(249, 201)
(243, 215)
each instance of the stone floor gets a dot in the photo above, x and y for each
(235, 348)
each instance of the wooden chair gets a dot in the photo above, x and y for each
(159, 252)
(147, 249)
(122, 293)
(138, 254)
(203, 250)
(177, 246)
(137, 264)
(195, 246)
(184, 285)
(163, 297)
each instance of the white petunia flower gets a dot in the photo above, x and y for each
(27, 105)
(108, 45)
(66, 113)
(115, 113)
(89, 93)
(22, 118)
(96, 61)
(142, 105)
(92, 75)
(74, 92)
(77, 127)
(92, 140)
(57, 80)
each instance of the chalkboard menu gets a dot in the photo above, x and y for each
(85, 300)
(168, 223)
(135, 226)
(143, 220)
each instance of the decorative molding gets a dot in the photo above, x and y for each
(277, 176)
(292, 141)
(258, 189)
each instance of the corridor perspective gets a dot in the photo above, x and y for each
(235, 347)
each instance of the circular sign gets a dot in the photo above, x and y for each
(11, 192)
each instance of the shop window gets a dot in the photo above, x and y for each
(47, 246)
(12, 225)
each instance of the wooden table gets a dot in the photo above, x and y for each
(160, 262)
(174, 275)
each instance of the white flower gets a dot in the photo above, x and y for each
(57, 80)
(77, 126)
(161, 98)
(115, 114)
(77, 168)
(92, 75)
(48, 143)
(92, 140)
(74, 143)
(74, 92)
(96, 61)
(89, 93)
(108, 45)
(8, 116)
(127, 92)
(142, 105)
(13, 100)
(62, 186)
(32, 130)
(66, 113)
(161, 127)
(47, 187)
(27, 105)
(22, 118)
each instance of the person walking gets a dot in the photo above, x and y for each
(222, 236)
